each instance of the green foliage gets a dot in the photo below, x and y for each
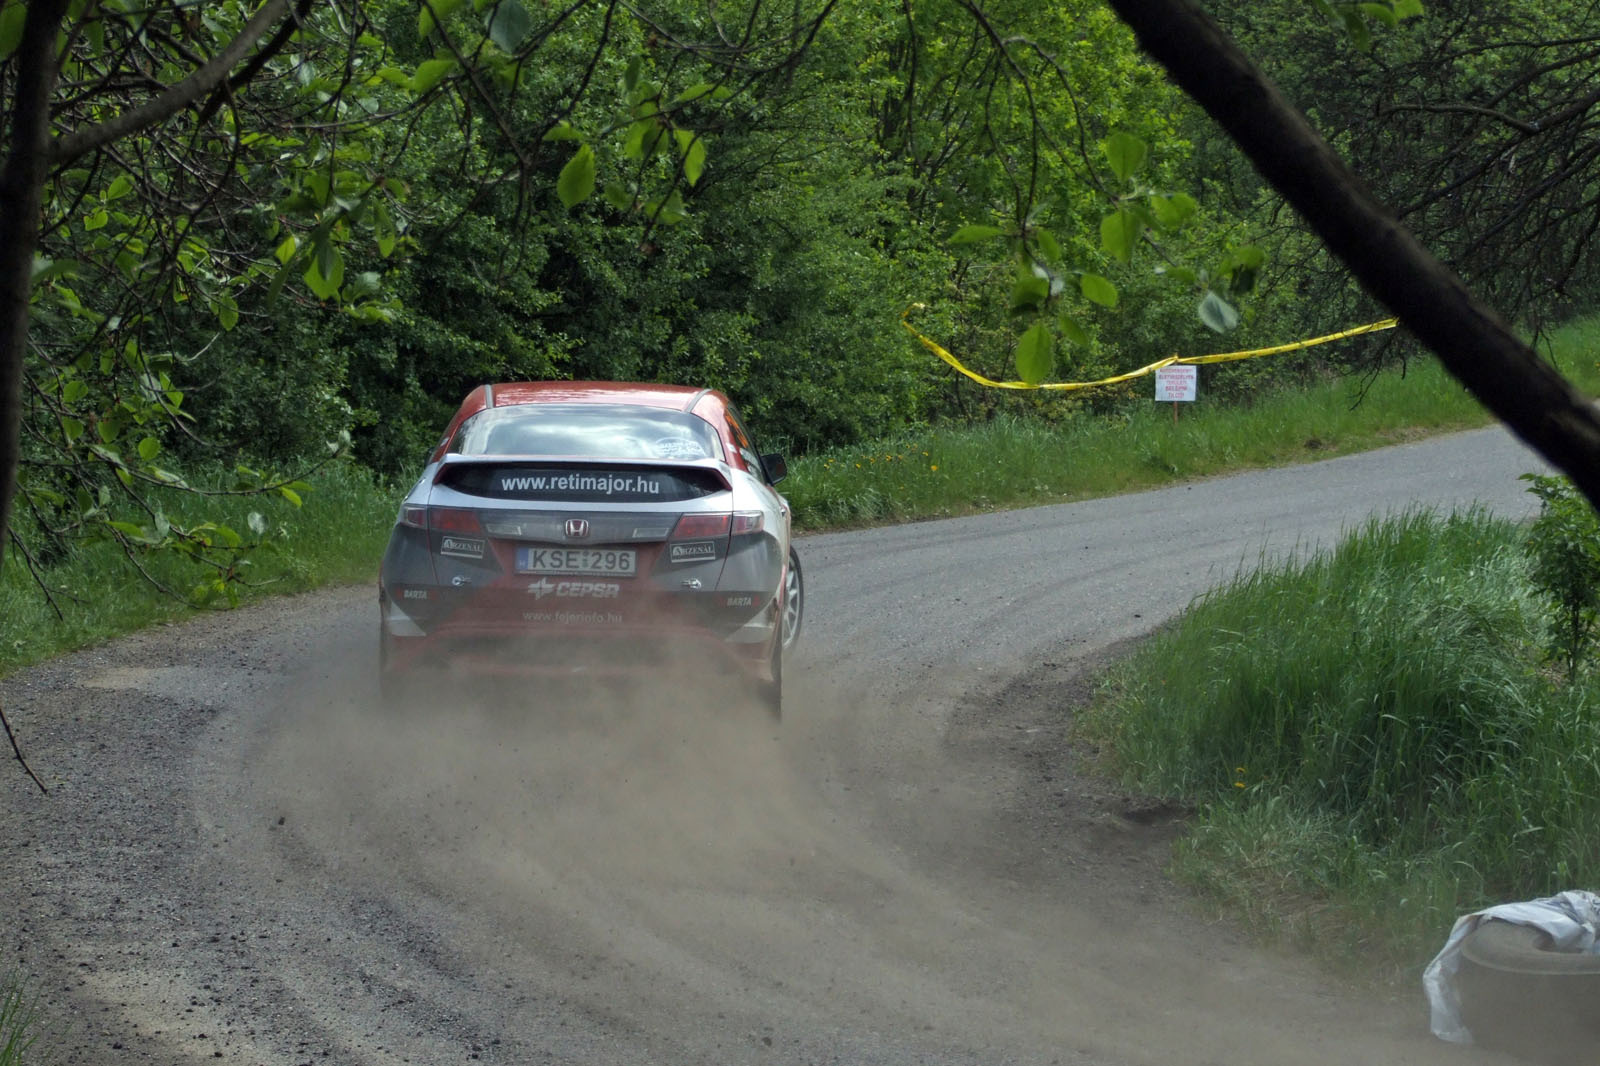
(93, 592)
(1564, 550)
(1367, 735)
(413, 200)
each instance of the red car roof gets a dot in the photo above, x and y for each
(644, 393)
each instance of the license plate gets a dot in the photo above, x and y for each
(612, 562)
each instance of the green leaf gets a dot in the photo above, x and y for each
(1249, 256)
(561, 131)
(1073, 332)
(576, 183)
(432, 10)
(289, 494)
(693, 149)
(1119, 233)
(12, 18)
(365, 284)
(97, 219)
(670, 211)
(1173, 211)
(1126, 154)
(1047, 244)
(694, 92)
(1218, 314)
(644, 137)
(974, 234)
(119, 188)
(1407, 8)
(430, 74)
(149, 448)
(509, 24)
(1035, 354)
(1029, 293)
(1098, 290)
(72, 429)
(325, 282)
(45, 269)
(617, 196)
(73, 391)
(227, 311)
(1356, 27)
(630, 76)
(1381, 13)
(383, 229)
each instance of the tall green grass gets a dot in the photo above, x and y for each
(336, 536)
(19, 1018)
(1371, 738)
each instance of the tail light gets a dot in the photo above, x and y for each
(453, 520)
(701, 526)
(441, 519)
(749, 522)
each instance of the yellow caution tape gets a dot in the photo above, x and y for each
(1171, 360)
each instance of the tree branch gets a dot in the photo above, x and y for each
(1472, 341)
(183, 94)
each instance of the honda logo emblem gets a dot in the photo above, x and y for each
(577, 528)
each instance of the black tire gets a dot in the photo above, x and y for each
(794, 602)
(391, 684)
(771, 692)
(1521, 996)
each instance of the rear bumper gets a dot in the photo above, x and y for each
(572, 641)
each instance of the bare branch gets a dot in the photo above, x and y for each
(183, 94)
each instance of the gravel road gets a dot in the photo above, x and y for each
(245, 858)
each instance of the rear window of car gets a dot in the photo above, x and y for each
(612, 431)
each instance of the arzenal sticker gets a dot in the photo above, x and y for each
(465, 547)
(692, 551)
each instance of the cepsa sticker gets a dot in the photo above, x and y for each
(463, 547)
(693, 551)
(598, 590)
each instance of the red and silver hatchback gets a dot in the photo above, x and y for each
(591, 528)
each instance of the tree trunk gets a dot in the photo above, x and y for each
(21, 191)
(1474, 344)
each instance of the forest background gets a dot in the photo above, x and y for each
(391, 203)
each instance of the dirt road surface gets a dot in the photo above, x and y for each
(244, 858)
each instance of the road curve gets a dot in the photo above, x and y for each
(245, 858)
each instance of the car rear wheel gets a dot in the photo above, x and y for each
(391, 684)
(794, 600)
(772, 691)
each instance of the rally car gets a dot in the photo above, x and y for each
(590, 528)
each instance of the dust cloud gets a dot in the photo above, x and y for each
(671, 864)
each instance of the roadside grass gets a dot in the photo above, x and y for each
(1371, 740)
(336, 537)
(18, 1022)
(1016, 462)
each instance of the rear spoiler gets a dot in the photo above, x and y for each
(565, 478)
